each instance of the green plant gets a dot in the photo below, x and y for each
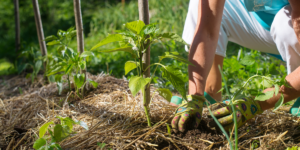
(293, 148)
(101, 145)
(136, 40)
(57, 132)
(30, 59)
(67, 62)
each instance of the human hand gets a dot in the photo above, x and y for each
(188, 110)
(246, 109)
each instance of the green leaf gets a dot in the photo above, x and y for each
(101, 145)
(169, 129)
(165, 93)
(60, 87)
(86, 54)
(175, 77)
(267, 83)
(176, 57)
(109, 39)
(44, 128)
(148, 29)
(130, 65)
(172, 36)
(247, 61)
(58, 68)
(265, 96)
(135, 26)
(279, 102)
(39, 143)
(82, 65)
(57, 132)
(79, 80)
(50, 38)
(125, 49)
(282, 69)
(55, 42)
(58, 77)
(94, 84)
(69, 69)
(55, 145)
(37, 66)
(137, 83)
(276, 89)
(61, 48)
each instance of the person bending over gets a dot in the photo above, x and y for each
(271, 26)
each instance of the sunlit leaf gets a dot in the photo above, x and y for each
(44, 128)
(176, 56)
(130, 65)
(174, 76)
(39, 143)
(165, 93)
(247, 61)
(79, 80)
(50, 38)
(86, 54)
(94, 84)
(276, 89)
(55, 42)
(265, 96)
(135, 26)
(137, 83)
(172, 36)
(279, 102)
(109, 39)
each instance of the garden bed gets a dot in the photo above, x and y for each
(116, 118)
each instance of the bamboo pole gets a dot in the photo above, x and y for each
(144, 16)
(17, 25)
(39, 27)
(79, 29)
(40, 33)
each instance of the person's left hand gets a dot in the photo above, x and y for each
(245, 108)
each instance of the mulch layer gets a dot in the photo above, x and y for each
(117, 118)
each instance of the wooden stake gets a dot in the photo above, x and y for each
(144, 16)
(79, 29)
(39, 27)
(17, 25)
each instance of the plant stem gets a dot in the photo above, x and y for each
(69, 83)
(146, 108)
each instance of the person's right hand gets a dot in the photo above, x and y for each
(190, 110)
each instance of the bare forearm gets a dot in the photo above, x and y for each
(295, 4)
(204, 45)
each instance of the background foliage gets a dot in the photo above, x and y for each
(106, 16)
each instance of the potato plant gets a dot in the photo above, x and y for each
(56, 133)
(67, 62)
(135, 40)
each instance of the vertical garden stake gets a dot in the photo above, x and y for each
(79, 29)
(39, 29)
(17, 25)
(144, 16)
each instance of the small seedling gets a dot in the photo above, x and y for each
(67, 62)
(57, 132)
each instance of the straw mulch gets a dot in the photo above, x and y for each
(116, 118)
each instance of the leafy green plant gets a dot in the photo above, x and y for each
(57, 132)
(67, 62)
(293, 148)
(101, 145)
(136, 40)
(30, 59)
